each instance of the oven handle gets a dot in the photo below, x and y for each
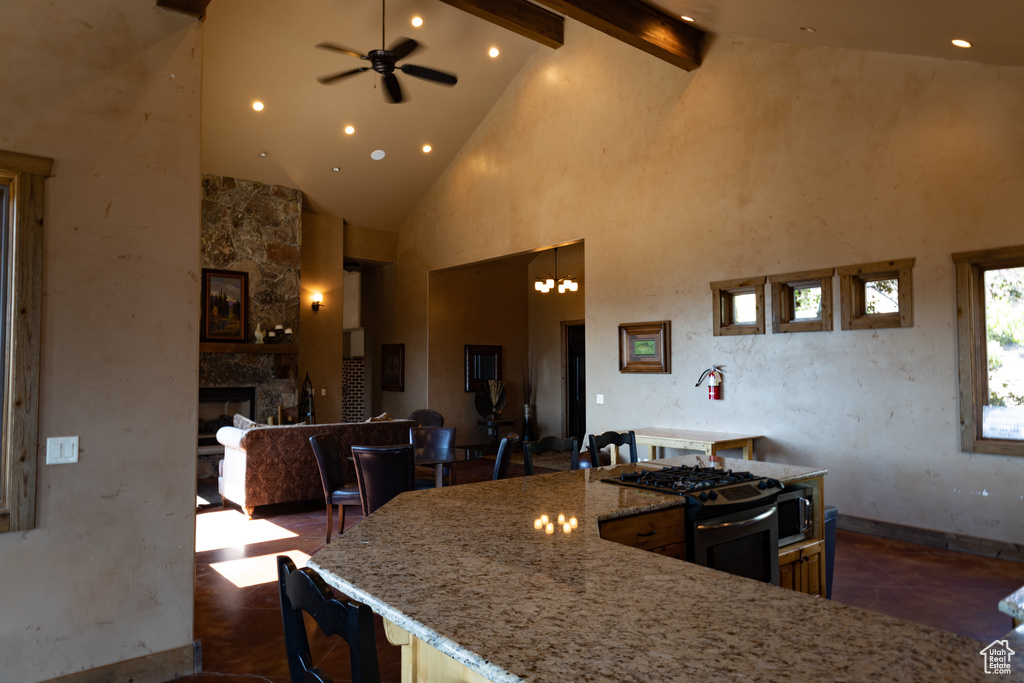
(745, 522)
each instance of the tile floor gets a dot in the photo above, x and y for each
(238, 622)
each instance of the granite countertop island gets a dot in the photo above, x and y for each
(464, 570)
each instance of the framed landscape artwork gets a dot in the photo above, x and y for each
(225, 305)
(645, 347)
(392, 367)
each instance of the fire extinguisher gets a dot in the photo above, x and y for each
(714, 377)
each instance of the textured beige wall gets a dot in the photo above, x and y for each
(480, 305)
(322, 333)
(769, 158)
(109, 90)
(547, 312)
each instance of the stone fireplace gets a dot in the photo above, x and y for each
(218, 407)
(257, 229)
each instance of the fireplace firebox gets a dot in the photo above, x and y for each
(218, 407)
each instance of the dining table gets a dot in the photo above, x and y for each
(439, 458)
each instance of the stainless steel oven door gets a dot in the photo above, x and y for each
(744, 543)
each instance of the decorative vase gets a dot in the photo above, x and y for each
(529, 426)
(259, 334)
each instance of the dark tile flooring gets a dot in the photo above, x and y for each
(238, 622)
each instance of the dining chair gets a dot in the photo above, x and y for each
(532, 449)
(427, 417)
(382, 472)
(504, 456)
(432, 437)
(303, 590)
(619, 439)
(332, 476)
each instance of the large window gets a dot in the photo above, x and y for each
(990, 333)
(21, 267)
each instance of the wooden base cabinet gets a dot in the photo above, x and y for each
(802, 567)
(662, 531)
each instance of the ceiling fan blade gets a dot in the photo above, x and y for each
(333, 47)
(403, 48)
(392, 91)
(429, 74)
(327, 80)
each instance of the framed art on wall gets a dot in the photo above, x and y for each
(225, 305)
(392, 367)
(482, 363)
(645, 347)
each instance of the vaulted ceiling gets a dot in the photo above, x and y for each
(263, 50)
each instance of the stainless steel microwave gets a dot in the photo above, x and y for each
(796, 514)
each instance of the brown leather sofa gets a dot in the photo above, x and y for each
(267, 465)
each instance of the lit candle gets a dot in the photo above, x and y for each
(288, 330)
(543, 519)
(550, 529)
(572, 522)
(561, 518)
(278, 327)
(537, 523)
(567, 527)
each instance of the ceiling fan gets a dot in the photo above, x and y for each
(383, 61)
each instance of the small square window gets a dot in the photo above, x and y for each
(738, 306)
(802, 302)
(877, 295)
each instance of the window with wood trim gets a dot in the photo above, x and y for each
(990, 340)
(877, 295)
(738, 306)
(21, 274)
(802, 302)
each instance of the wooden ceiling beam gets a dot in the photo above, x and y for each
(193, 8)
(638, 24)
(518, 16)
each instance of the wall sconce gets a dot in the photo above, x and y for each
(318, 301)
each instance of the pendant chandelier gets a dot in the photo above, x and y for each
(565, 284)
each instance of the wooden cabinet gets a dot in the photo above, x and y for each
(802, 567)
(661, 531)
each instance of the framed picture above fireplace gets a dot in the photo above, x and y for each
(225, 305)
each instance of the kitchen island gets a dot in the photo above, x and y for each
(473, 591)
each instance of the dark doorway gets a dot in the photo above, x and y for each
(575, 381)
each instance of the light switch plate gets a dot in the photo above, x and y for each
(61, 450)
(600, 399)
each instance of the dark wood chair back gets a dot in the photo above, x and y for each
(332, 476)
(504, 456)
(550, 443)
(383, 472)
(303, 590)
(427, 417)
(432, 437)
(619, 439)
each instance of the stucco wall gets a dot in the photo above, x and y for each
(770, 158)
(110, 90)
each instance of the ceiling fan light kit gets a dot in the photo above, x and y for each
(385, 61)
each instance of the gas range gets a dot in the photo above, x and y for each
(709, 491)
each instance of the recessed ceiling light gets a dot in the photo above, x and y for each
(377, 154)
(417, 21)
(349, 130)
(426, 149)
(686, 18)
(257, 105)
(493, 52)
(336, 169)
(961, 43)
(263, 154)
(808, 29)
